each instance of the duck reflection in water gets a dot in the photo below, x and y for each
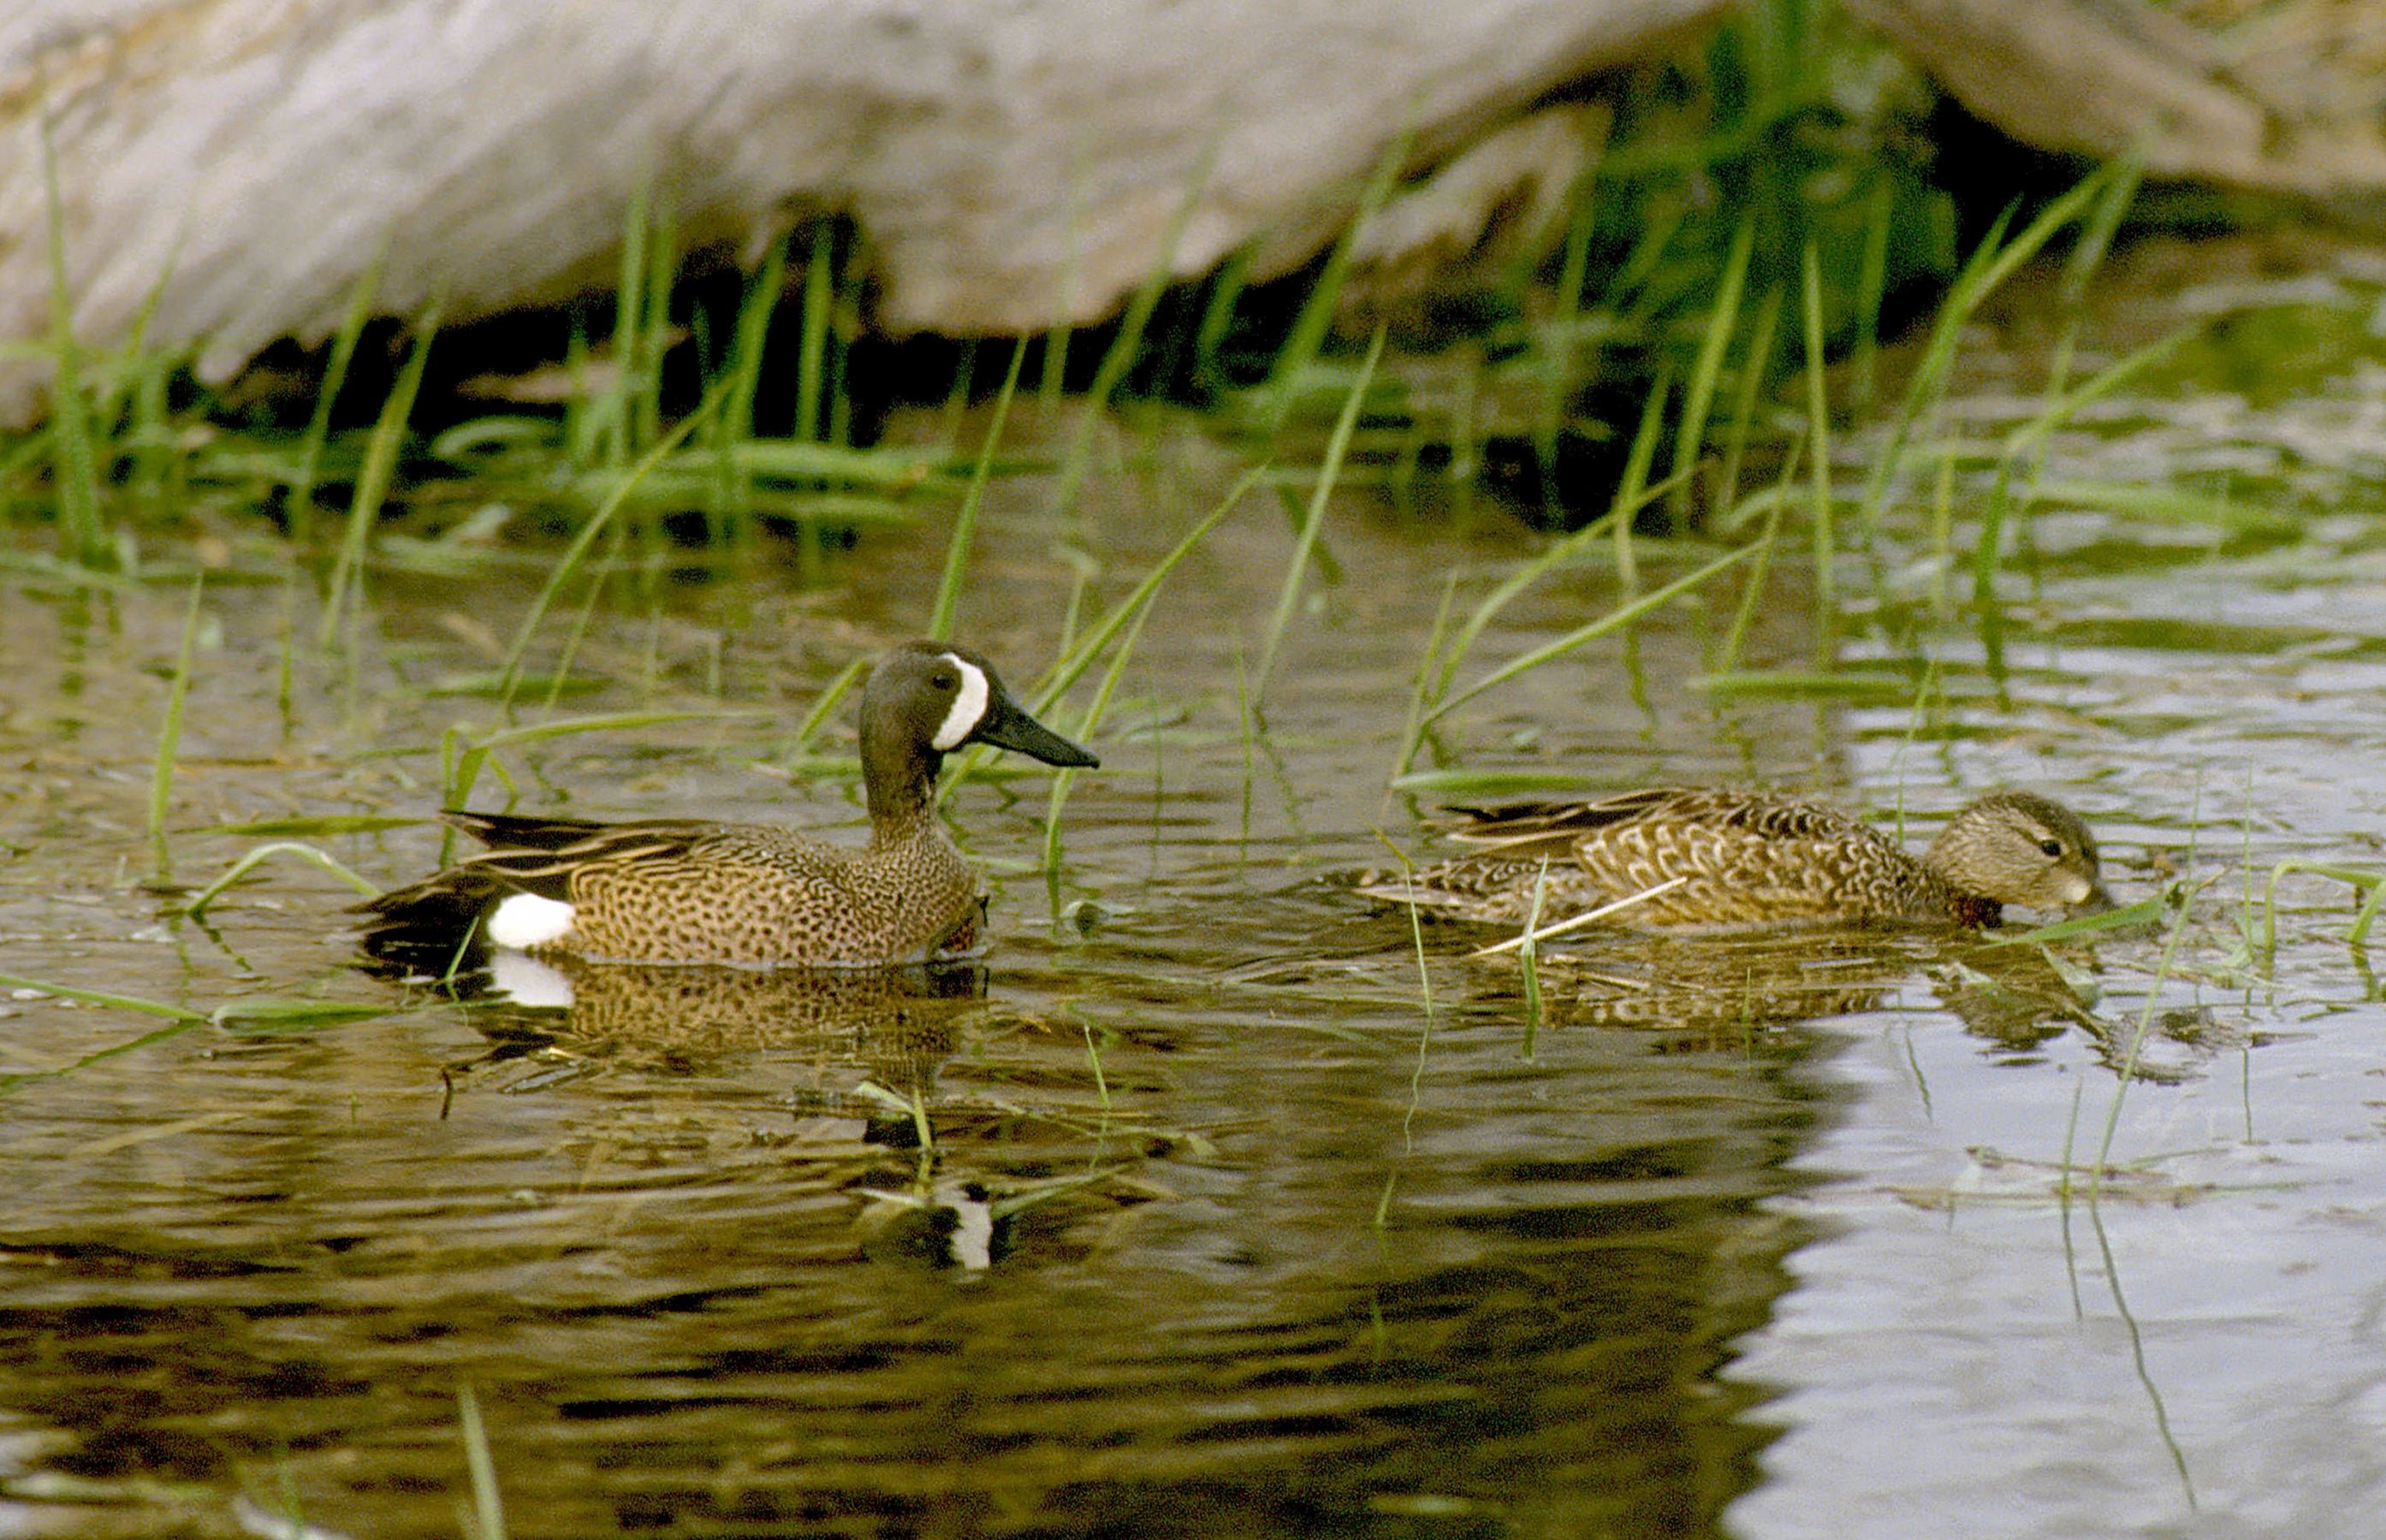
(867, 1115)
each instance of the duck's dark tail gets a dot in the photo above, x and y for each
(434, 928)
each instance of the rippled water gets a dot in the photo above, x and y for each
(1202, 1211)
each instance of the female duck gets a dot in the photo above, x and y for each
(680, 889)
(1676, 859)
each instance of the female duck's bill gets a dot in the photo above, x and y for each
(676, 890)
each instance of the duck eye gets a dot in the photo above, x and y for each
(2051, 845)
(943, 678)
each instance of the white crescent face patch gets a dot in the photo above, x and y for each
(969, 708)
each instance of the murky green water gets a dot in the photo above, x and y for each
(1230, 1222)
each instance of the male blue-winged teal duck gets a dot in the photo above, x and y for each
(1718, 860)
(682, 889)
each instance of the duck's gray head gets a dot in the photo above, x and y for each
(925, 699)
(2018, 847)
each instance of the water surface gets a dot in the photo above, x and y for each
(1205, 1210)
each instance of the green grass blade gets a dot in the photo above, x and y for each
(1306, 542)
(1310, 328)
(1218, 320)
(654, 339)
(1990, 263)
(2033, 433)
(1818, 455)
(179, 1020)
(1086, 726)
(734, 426)
(1125, 345)
(463, 760)
(576, 553)
(169, 733)
(197, 906)
(1412, 734)
(957, 549)
(1690, 436)
(812, 350)
(1613, 620)
(1631, 487)
(72, 455)
(1872, 288)
(298, 500)
(1080, 657)
(102, 997)
(380, 468)
(1557, 342)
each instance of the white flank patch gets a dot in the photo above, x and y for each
(969, 708)
(524, 920)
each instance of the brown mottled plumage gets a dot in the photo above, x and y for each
(1743, 859)
(690, 891)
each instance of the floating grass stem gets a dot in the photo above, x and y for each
(196, 908)
(1580, 921)
(488, 1507)
(179, 1019)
